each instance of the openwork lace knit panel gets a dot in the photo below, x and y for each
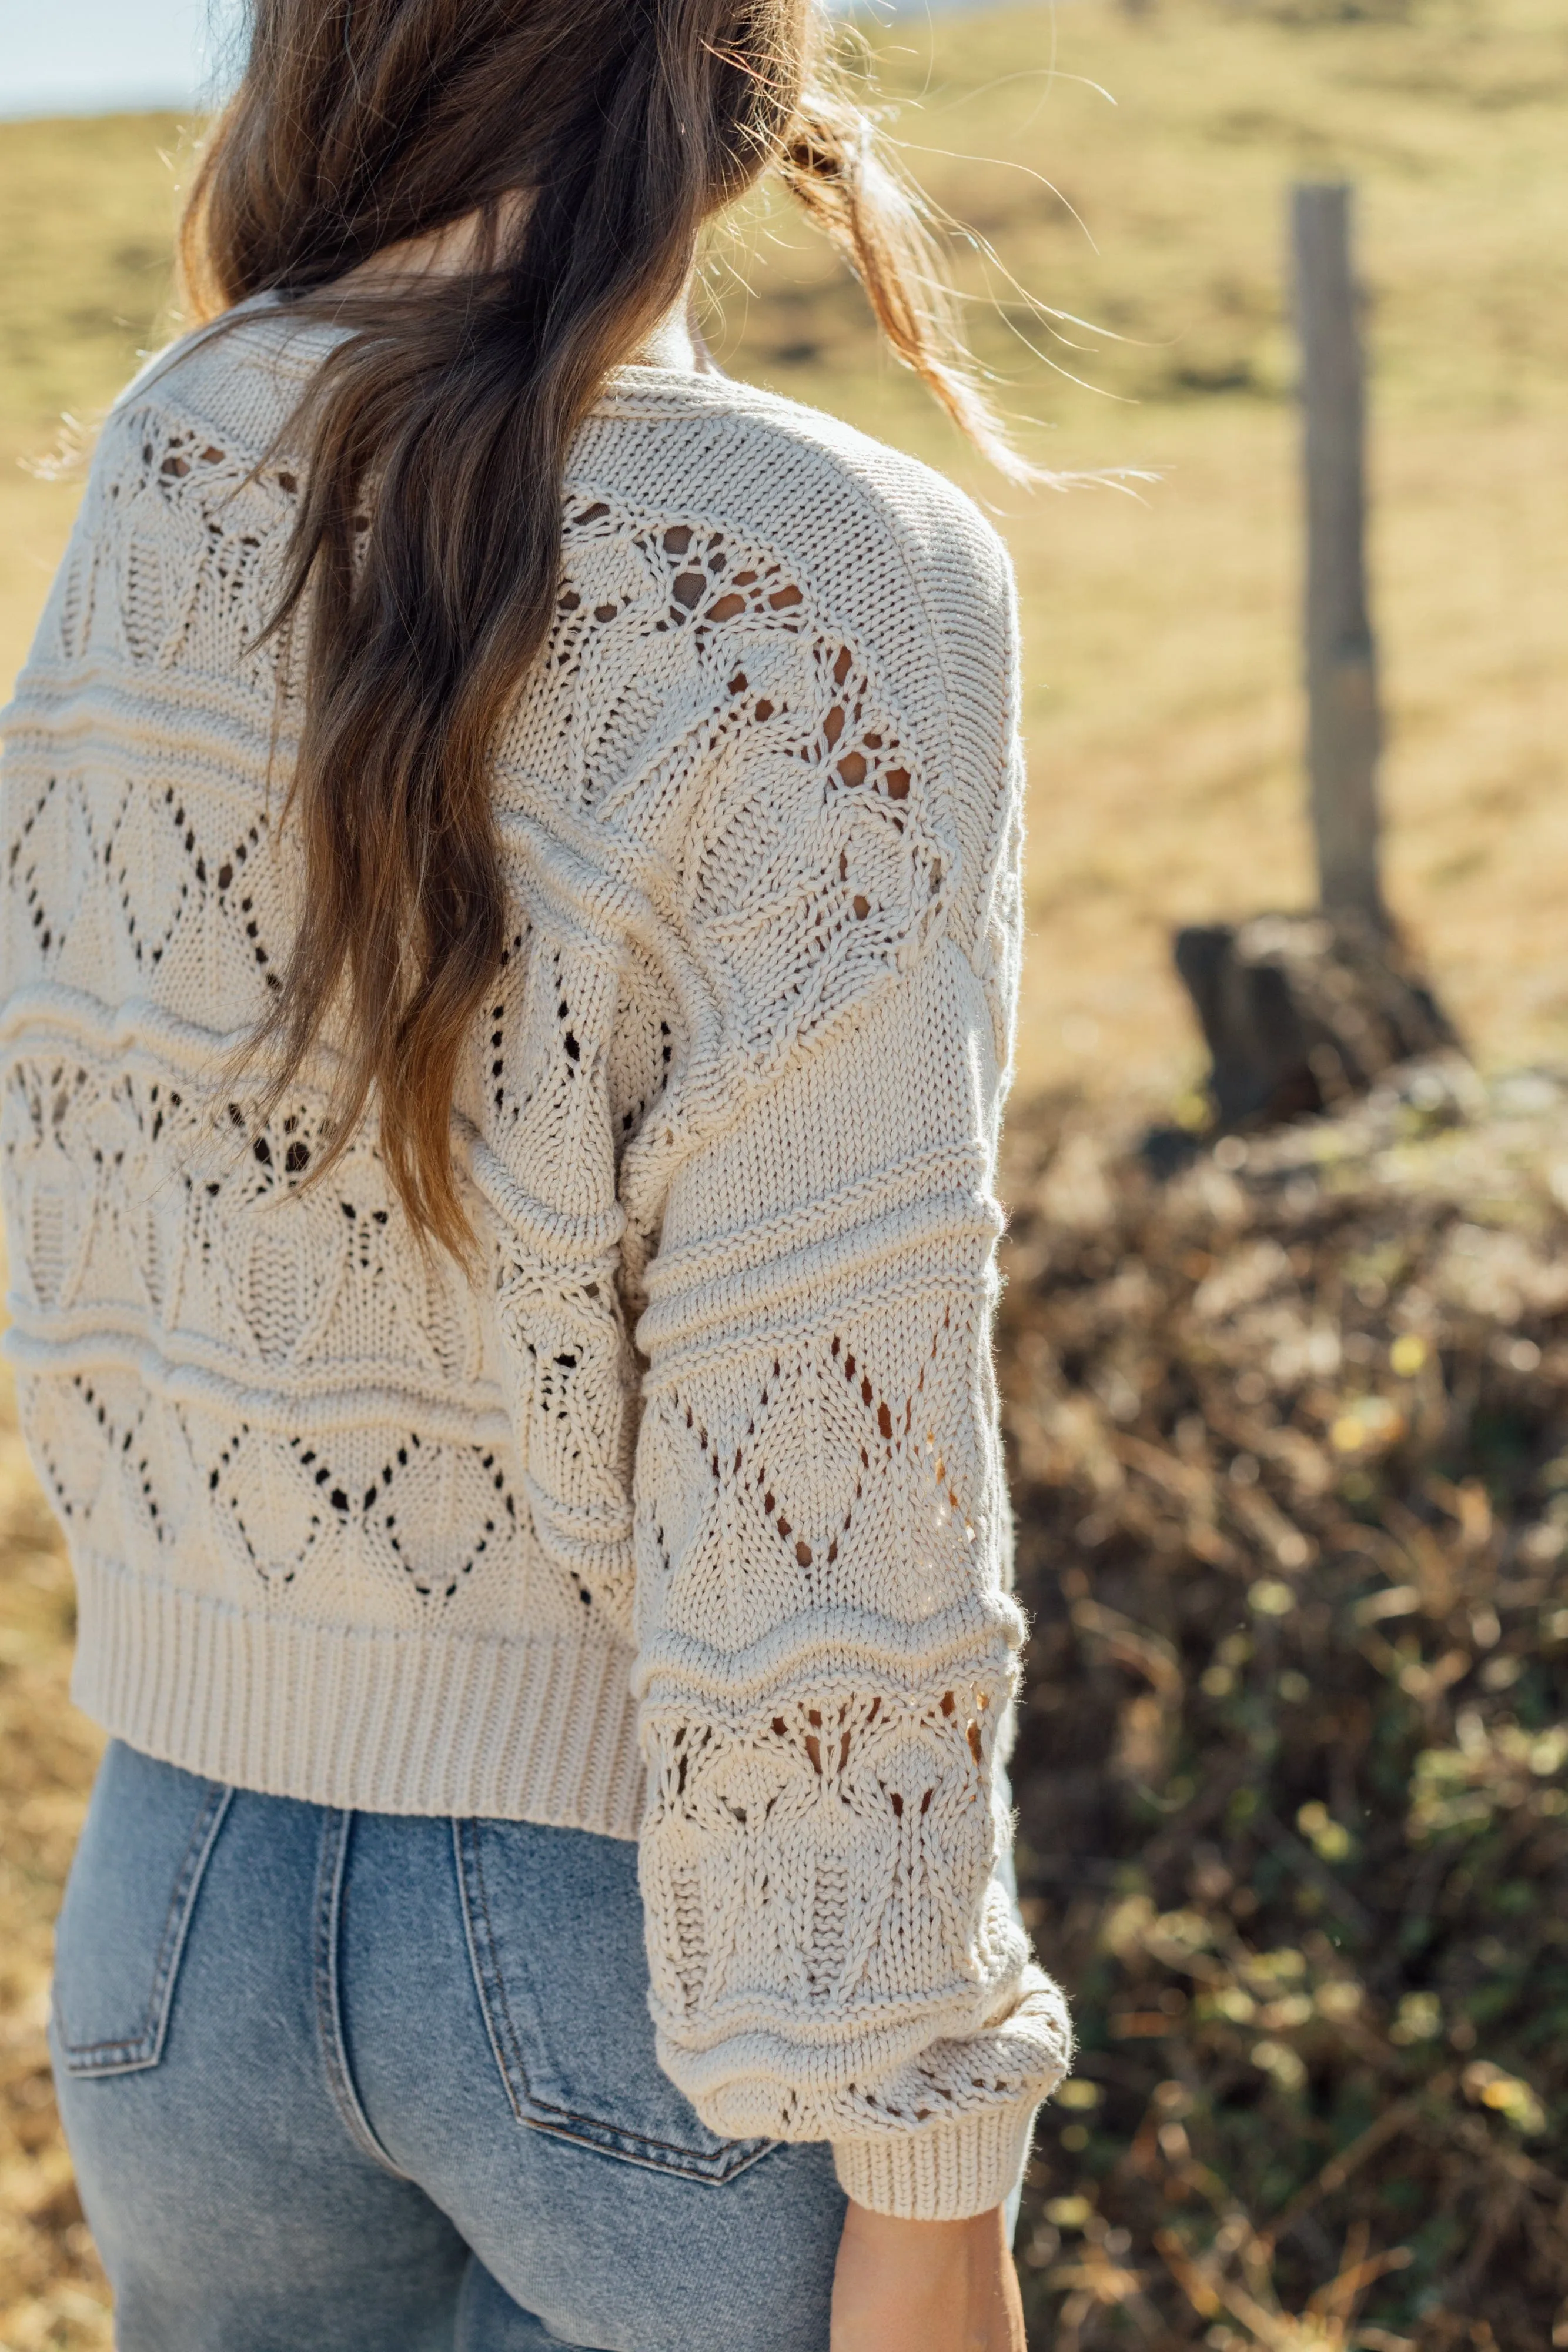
(687, 1522)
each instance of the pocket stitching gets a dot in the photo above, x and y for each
(735, 2156)
(132, 2051)
(507, 2061)
(331, 1861)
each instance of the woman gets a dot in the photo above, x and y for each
(511, 925)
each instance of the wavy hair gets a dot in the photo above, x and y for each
(581, 146)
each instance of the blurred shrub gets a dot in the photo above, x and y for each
(1290, 1439)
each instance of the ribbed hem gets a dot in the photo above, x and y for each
(946, 2173)
(516, 1729)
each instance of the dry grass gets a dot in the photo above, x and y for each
(1245, 2158)
(51, 2292)
(1163, 704)
(1289, 1451)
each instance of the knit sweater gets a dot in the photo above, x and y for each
(685, 1519)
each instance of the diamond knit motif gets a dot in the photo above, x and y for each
(685, 1519)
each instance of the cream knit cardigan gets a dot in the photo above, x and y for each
(687, 1522)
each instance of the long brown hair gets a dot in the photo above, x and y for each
(592, 139)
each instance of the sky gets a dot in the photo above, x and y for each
(86, 56)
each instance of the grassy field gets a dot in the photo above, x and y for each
(1163, 704)
(1163, 701)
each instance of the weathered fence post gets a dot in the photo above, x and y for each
(1301, 1013)
(1343, 730)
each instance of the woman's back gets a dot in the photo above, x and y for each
(508, 952)
(354, 1528)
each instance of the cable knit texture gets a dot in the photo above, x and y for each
(687, 1521)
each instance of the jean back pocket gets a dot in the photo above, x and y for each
(555, 1931)
(132, 1888)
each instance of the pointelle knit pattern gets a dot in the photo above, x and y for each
(686, 1521)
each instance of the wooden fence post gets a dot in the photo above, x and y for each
(1303, 1013)
(1343, 729)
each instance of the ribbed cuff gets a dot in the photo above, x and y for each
(946, 2173)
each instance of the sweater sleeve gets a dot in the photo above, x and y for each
(827, 1643)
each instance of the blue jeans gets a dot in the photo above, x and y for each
(383, 2083)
